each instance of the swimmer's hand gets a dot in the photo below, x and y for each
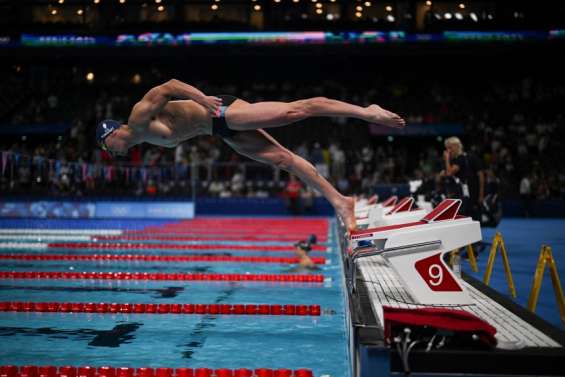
(212, 104)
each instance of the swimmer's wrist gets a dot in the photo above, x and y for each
(200, 99)
(182, 90)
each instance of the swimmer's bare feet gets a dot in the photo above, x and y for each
(378, 115)
(346, 210)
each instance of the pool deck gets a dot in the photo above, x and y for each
(527, 345)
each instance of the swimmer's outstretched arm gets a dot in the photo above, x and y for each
(156, 98)
(179, 89)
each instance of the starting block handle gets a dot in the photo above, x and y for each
(369, 252)
(373, 249)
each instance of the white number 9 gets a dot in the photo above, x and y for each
(436, 274)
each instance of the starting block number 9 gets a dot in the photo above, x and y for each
(436, 275)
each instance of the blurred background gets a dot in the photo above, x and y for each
(489, 72)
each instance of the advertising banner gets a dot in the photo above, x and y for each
(98, 209)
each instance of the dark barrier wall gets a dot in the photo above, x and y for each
(279, 207)
(259, 206)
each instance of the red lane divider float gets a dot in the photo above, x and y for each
(247, 224)
(243, 225)
(205, 237)
(219, 237)
(142, 246)
(159, 276)
(262, 230)
(190, 232)
(233, 228)
(102, 307)
(106, 371)
(158, 258)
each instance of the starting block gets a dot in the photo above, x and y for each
(402, 212)
(416, 249)
(363, 210)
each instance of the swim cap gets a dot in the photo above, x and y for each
(312, 239)
(105, 128)
(307, 245)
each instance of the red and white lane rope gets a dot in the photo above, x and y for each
(216, 237)
(157, 258)
(279, 278)
(145, 246)
(221, 233)
(107, 371)
(102, 307)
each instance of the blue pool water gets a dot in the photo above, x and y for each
(172, 340)
(150, 340)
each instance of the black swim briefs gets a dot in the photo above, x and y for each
(219, 124)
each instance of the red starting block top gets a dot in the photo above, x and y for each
(446, 210)
(405, 205)
(390, 201)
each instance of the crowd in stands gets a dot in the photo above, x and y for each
(513, 126)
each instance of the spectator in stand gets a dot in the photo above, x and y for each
(307, 197)
(526, 194)
(337, 162)
(215, 188)
(238, 183)
(292, 195)
(317, 159)
(151, 188)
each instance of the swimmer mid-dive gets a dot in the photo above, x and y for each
(159, 120)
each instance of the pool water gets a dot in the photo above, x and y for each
(318, 343)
